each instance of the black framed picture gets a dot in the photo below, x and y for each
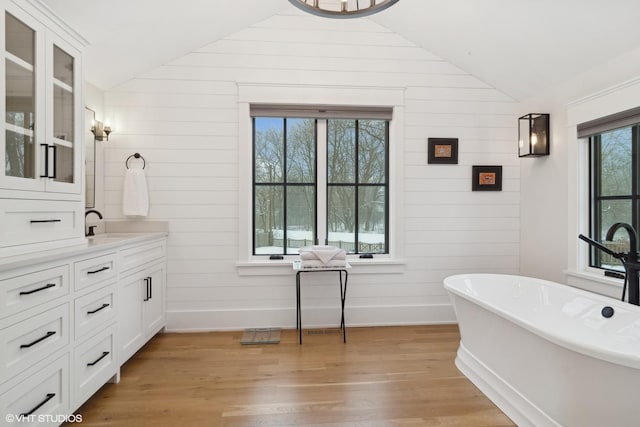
(443, 151)
(486, 178)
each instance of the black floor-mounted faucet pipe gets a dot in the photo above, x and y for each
(629, 260)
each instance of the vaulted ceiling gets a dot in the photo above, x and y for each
(521, 47)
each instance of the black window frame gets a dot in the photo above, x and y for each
(386, 185)
(284, 184)
(357, 185)
(596, 199)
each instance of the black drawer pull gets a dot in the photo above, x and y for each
(146, 281)
(50, 333)
(104, 354)
(46, 399)
(105, 305)
(98, 270)
(40, 221)
(33, 291)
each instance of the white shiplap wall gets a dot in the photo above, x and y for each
(183, 118)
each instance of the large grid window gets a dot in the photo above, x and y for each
(320, 181)
(615, 189)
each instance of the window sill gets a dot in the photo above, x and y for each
(595, 282)
(285, 267)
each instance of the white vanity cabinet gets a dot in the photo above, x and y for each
(68, 321)
(41, 145)
(141, 296)
(94, 318)
(35, 336)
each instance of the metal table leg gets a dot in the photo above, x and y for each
(298, 308)
(343, 296)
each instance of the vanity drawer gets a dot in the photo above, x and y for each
(91, 271)
(136, 256)
(25, 291)
(94, 363)
(35, 221)
(44, 393)
(94, 310)
(29, 341)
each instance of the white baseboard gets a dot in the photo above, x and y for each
(517, 407)
(312, 317)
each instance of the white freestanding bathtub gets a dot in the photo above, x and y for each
(544, 353)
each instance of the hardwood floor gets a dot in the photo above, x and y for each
(391, 376)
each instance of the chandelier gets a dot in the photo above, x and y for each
(342, 8)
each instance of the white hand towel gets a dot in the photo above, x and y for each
(135, 196)
(322, 253)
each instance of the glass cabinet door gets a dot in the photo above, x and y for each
(40, 151)
(63, 115)
(64, 120)
(20, 147)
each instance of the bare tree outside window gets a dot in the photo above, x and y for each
(285, 179)
(615, 192)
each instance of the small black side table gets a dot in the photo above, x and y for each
(343, 293)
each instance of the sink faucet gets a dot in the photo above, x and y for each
(91, 228)
(629, 261)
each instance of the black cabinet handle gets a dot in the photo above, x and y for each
(46, 399)
(146, 282)
(150, 287)
(98, 270)
(38, 221)
(104, 354)
(55, 155)
(33, 291)
(31, 344)
(46, 161)
(105, 305)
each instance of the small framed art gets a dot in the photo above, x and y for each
(443, 151)
(486, 178)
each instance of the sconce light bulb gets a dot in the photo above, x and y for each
(534, 139)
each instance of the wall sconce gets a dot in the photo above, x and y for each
(533, 135)
(100, 132)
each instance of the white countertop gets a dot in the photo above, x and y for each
(94, 244)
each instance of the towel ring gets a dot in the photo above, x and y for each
(137, 156)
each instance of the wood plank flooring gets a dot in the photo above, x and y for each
(384, 376)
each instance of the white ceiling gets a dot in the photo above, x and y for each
(521, 47)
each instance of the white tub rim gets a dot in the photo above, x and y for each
(625, 358)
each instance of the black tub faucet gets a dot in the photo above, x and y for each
(90, 232)
(633, 238)
(629, 261)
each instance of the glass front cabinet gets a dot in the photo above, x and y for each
(42, 143)
(42, 139)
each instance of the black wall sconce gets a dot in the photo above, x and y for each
(533, 135)
(100, 132)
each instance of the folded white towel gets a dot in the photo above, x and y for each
(322, 253)
(135, 195)
(316, 263)
(312, 255)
